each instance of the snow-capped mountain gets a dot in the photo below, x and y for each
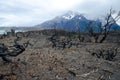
(72, 15)
(70, 20)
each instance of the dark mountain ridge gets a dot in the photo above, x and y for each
(72, 21)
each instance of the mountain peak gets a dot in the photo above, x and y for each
(68, 21)
(70, 15)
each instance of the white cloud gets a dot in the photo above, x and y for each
(32, 12)
(97, 8)
(10, 20)
(118, 20)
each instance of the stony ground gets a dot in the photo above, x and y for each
(41, 62)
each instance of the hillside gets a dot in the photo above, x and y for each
(42, 62)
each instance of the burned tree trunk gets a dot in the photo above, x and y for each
(6, 54)
(104, 27)
(107, 54)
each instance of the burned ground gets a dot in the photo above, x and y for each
(42, 62)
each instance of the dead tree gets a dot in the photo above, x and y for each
(104, 28)
(13, 32)
(6, 54)
(53, 41)
(111, 53)
(98, 53)
(107, 54)
(3, 36)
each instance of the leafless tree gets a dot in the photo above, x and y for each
(13, 32)
(2, 36)
(6, 54)
(104, 27)
(107, 54)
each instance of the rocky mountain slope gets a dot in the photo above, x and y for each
(70, 20)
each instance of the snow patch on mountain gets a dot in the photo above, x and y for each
(69, 17)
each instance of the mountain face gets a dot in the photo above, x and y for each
(71, 21)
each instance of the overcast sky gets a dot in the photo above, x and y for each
(33, 12)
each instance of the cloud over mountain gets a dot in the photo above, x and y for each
(32, 12)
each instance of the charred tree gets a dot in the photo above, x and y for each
(104, 28)
(6, 54)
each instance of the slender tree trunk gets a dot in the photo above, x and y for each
(104, 37)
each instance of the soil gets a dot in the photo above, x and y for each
(42, 62)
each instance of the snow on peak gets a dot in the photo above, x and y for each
(68, 17)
